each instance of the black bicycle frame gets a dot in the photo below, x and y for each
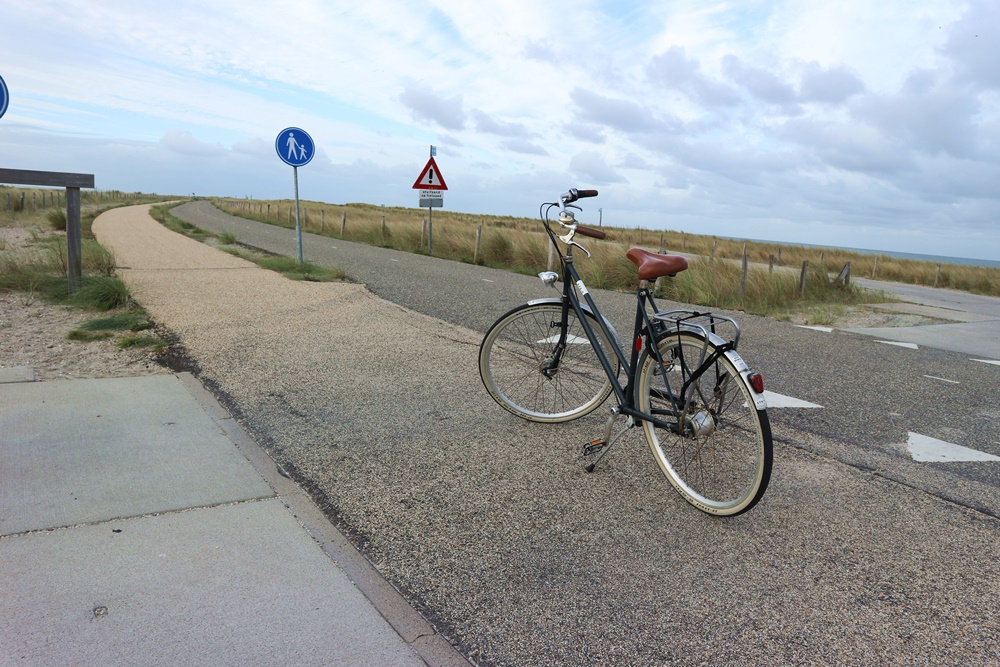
(625, 395)
(646, 332)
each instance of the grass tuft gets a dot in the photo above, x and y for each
(101, 293)
(142, 341)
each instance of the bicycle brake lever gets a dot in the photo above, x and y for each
(581, 248)
(568, 240)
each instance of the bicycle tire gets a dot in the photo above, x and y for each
(721, 462)
(514, 350)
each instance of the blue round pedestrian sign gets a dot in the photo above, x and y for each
(294, 146)
(4, 97)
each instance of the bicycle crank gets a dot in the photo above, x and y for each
(603, 445)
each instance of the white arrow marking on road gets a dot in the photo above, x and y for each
(909, 346)
(931, 450)
(823, 329)
(989, 361)
(781, 401)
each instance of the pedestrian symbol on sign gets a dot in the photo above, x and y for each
(296, 152)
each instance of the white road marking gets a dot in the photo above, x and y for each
(909, 346)
(823, 329)
(934, 377)
(571, 339)
(931, 450)
(781, 401)
(393, 260)
(989, 361)
(487, 280)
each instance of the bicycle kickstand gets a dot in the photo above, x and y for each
(602, 446)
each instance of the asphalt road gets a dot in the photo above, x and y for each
(873, 394)
(858, 554)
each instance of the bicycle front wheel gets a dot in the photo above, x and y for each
(717, 451)
(524, 372)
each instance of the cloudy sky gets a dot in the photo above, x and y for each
(858, 123)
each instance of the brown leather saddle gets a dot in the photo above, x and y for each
(652, 266)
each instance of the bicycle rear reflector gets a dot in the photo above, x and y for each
(757, 382)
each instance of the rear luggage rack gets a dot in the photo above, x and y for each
(682, 319)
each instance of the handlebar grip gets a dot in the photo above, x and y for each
(590, 231)
(586, 193)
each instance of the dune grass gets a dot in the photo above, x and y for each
(38, 269)
(518, 245)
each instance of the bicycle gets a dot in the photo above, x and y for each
(701, 408)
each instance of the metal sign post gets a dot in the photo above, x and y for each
(432, 187)
(295, 147)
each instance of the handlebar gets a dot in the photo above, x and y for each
(568, 221)
(574, 194)
(591, 232)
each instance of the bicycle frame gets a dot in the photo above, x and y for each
(646, 331)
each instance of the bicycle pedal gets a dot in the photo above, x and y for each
(593, 447)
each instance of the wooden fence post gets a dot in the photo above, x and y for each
(874, 266)
(715, 242)
(845, 275)
(479, 238)
(770, 262)
(743, 273)
(802, 279)
(383, 226)
(937, 275)
(343, 223)
(322, 219)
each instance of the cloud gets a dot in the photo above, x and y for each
(428, 105)
(832, 86)
(592, 167)
(525, 147)
(484, 123)
(926, 116)
(972, 45)
(184, 143)
(586, 132)
(673, 69)
(618, 114)
(760, 83)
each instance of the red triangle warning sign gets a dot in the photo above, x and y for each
(430, 178)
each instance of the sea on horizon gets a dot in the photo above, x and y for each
(936, 259)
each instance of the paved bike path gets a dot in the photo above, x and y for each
(874, 396)
(493, 530)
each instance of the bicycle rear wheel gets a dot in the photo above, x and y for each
(517, 364)
(720, 457)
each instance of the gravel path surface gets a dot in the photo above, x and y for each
(492, 529)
